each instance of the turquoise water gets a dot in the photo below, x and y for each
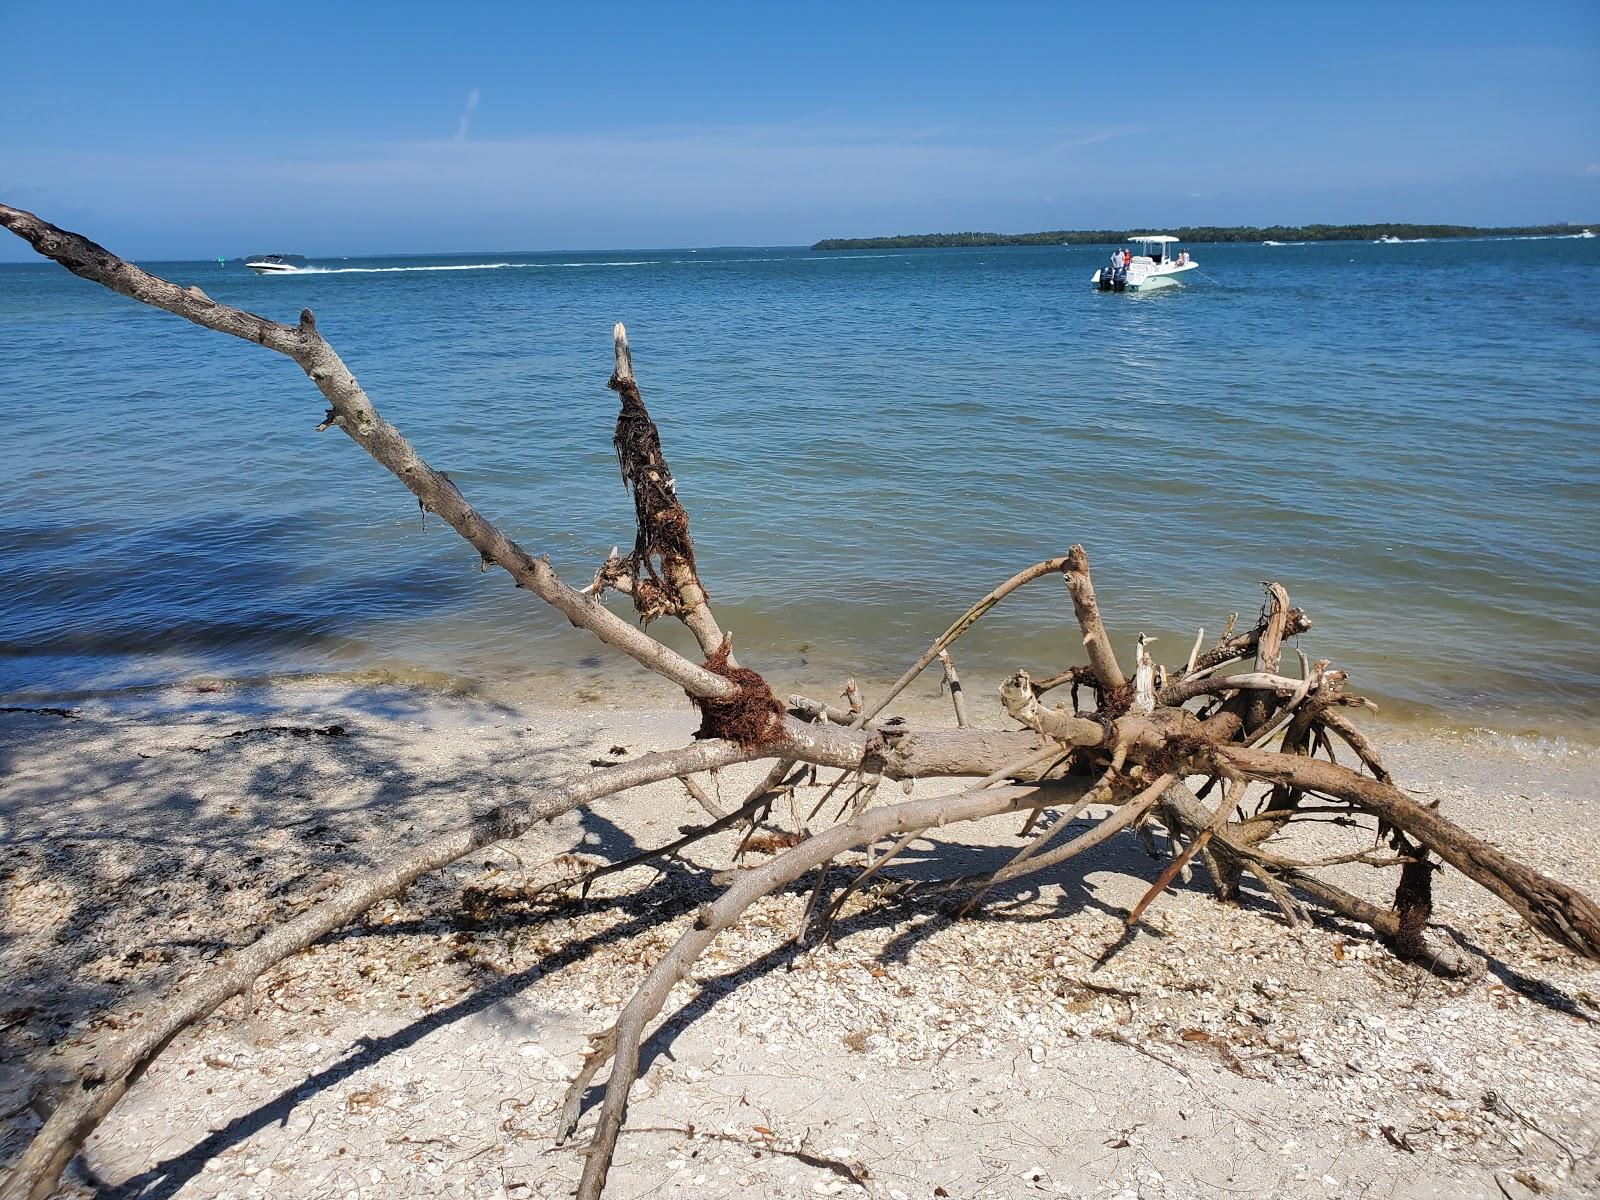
(1407, 436)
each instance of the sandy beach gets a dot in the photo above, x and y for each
(424, 1051)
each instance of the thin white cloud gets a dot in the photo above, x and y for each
(466, 116)
(1099, 137)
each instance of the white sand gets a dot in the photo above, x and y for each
(1219, 1053)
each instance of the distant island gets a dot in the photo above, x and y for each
(1193, 233)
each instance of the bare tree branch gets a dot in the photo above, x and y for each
(1087, 608)
(1559, 912)
(962, 623)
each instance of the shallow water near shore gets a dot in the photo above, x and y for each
(1407, 436)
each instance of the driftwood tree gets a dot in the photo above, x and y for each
(1173, 745)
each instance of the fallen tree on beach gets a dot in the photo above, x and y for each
(1140, 744)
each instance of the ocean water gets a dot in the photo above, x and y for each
(1407, 436)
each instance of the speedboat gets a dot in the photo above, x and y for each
(1387, 239)
(1587, 233)
(1157, 264)
(276, 264)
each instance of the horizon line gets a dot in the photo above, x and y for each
(832, 238)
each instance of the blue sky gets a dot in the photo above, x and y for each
(190, 130)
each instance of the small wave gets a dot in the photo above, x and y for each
(1530, 237)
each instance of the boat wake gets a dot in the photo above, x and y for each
(1533, 237)
(494, 266)
(550, 266)
(1498, 237)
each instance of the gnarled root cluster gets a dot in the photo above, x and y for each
(1172, 746)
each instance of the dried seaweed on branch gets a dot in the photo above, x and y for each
(662, 562)
(752, 717)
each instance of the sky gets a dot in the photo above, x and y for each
(175, 129)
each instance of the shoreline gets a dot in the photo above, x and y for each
(614, 687)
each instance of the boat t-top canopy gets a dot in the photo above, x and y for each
(1151, 237)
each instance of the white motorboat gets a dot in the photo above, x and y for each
(276, 264)
(1158, 264)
